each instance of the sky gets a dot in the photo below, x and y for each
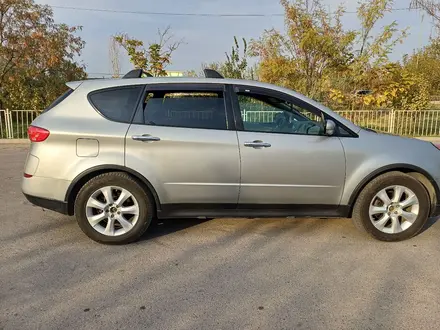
(206, 39)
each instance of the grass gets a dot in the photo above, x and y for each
(19, 130)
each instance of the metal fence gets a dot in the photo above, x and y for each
(400, 122)
(14, 123)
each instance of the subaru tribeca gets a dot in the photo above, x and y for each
(119, 153)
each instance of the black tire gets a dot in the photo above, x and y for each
(361, 217)
(125, 181)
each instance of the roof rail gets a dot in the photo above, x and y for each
(137, 73)
(210, 73)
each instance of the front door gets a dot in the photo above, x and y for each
(182, 141)
(286, 160)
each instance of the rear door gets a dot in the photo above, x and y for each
(183, 140)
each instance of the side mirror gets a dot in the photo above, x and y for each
(330, 127)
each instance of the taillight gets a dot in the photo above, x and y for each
(37, 134)
(436, 144)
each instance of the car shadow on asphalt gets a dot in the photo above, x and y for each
(431, 222)
(168, 226)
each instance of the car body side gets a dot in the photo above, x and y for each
(83, 143)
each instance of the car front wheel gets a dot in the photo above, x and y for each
(392, 207)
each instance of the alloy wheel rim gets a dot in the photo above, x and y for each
(112, 211)
(394, 209)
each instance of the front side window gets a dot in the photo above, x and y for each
(116, 104)
(190, 109)
(262, 113)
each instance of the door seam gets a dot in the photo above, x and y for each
(345, 171)
(239, 159)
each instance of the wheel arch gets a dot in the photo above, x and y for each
(85, 176)
(416, 172)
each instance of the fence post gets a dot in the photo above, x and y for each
(8, 124)
(11, 124)
(392, 120)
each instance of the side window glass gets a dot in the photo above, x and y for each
(261, 113)
(116, 104)
(191, 109)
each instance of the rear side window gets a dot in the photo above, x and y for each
(191, 109)
(117, 104)
(59, 100)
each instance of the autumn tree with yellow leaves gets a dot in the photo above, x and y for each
(347, 69)
(37, 56)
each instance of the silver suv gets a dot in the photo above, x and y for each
(120, 153)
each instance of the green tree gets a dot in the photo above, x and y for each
(314, 43)
(371, 69)
(156, 57)
(236, 65)
(191, 73)
(318, 57)
(391, 86)
(374, 49)
(431, 7)
(426, 61)
(36, 55)
(36, 92)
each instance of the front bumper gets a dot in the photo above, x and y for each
(49, 204)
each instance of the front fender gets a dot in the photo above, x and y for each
(373, 154)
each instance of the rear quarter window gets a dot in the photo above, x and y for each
(117, 104)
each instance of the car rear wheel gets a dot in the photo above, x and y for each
(113, 208)
(392, 207)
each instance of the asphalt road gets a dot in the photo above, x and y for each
(218, 274)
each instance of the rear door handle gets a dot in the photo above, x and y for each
(257, 144)
(145, 138)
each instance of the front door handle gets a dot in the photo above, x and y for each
(145, 138)
(257, 144)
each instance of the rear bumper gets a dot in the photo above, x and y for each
(49, 204)
(47, 188)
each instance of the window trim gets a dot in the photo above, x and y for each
(136, 105)
(194, 87)
(273, 93)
